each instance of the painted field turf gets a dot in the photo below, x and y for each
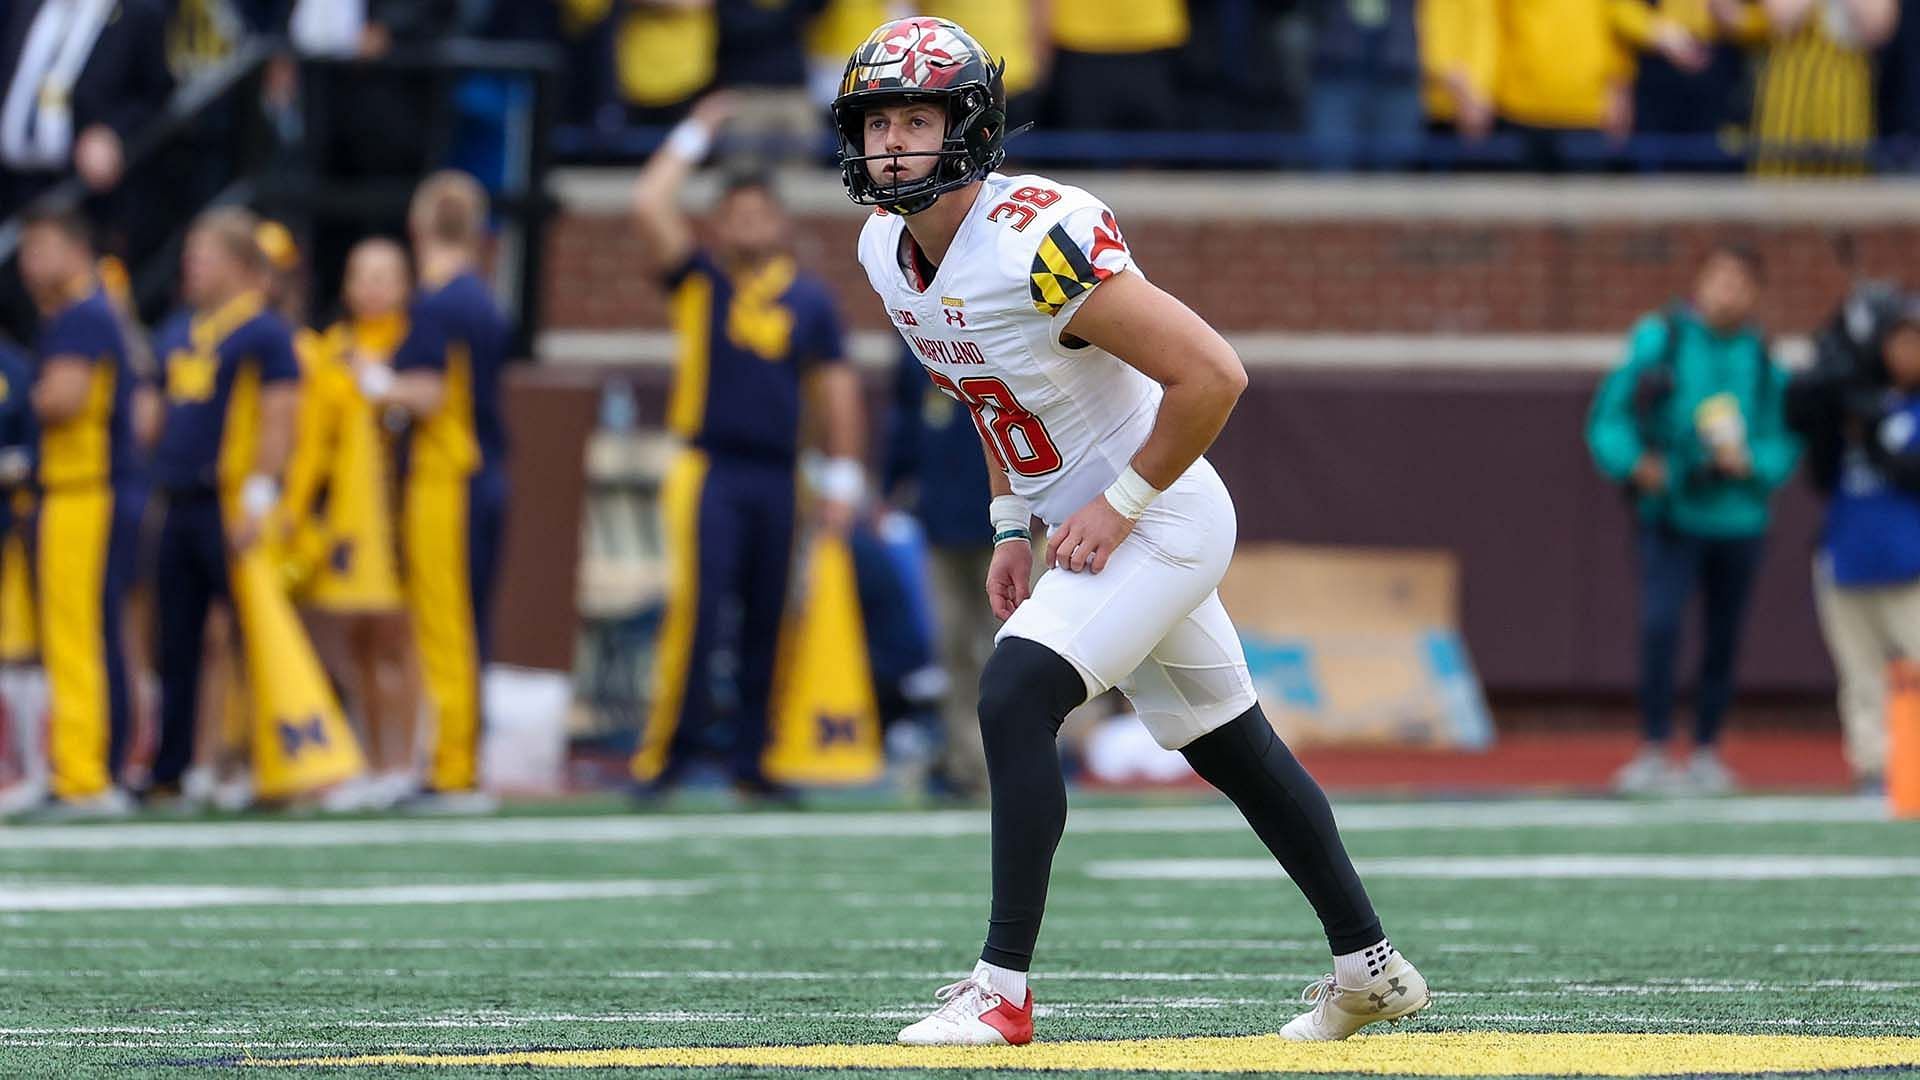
(1727, 937)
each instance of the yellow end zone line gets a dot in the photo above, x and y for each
(1453, 1054)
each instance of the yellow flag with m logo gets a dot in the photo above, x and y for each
(301, 741)
(826, 723)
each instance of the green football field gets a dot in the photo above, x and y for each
(1561, 937)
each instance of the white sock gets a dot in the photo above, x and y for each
(1006, 982)
(1357, 969)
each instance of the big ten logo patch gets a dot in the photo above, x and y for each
(302, 733)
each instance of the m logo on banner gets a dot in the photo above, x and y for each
(297, 735)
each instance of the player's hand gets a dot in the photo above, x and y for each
(1009, 577)
(1089, 537)
(1650, 473)
(244, 533)
(1474, 116)
(375, 379)
(836, 516)
(1733, 459)
(1680, 47)
(713, 111)
(1617, 117)
(259, 498)
(16, 466)
(98, 157)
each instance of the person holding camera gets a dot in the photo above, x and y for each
(1693, 426)
(1859, 409)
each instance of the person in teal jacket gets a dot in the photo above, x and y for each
(1693, 427)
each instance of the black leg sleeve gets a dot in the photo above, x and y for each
(1289, 812)
(1026, 692)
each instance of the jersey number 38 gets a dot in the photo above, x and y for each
(1017, 438)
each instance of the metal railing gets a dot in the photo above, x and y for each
(217, 123)
(1574, 151)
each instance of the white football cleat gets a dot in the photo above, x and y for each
(1339, 1011)
(971, 1014)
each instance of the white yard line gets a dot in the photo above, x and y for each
(372, 945)
(104, 896)
(494, 832)
(1535, 867)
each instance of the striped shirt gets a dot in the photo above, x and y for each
(1813, 104)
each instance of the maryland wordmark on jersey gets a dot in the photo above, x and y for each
(1062, 421)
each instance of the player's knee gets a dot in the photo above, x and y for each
(1026, 682)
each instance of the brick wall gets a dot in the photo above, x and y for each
(1364, 276)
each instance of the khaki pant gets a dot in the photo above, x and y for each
(1866, 628)
(967, 625)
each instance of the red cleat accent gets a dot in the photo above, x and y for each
(1013, 1022)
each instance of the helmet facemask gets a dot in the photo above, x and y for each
(969, 150)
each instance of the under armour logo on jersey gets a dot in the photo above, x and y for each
(955, 318)
(1380, 999)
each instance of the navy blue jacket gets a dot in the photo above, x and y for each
(932, 444)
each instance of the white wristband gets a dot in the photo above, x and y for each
(690, 139)
(1012, 518)
(840, 480)
(258, 495)
(1130, 495)
(375, 379)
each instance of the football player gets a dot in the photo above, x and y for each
(1095, 395)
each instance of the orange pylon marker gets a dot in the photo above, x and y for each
(1903, 739)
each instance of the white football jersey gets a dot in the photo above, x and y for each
(1064, 422)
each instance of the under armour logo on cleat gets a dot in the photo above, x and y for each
(1380, 1000)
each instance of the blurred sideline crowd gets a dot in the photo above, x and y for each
(1790, 86)
(1794, 85)
(171, 497)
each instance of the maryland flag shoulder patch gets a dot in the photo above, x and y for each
(1061, 271)
(1064, 268)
